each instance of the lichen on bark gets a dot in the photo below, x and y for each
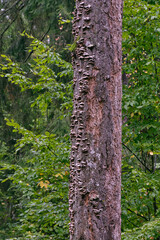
(95, 169)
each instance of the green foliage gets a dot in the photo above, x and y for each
(141, 66)
(34, 179)
(42, 185)
(40, 18)
(141, 121)
(140, 194)
(150, 230)
(40, 177)
(48, 79)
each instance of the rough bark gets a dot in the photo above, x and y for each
(95, 169)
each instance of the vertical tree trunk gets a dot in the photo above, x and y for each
(95, 183)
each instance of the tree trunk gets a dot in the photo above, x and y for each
(95, 176)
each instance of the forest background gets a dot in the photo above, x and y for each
(36, 75)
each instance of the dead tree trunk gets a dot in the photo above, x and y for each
(95, 183)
